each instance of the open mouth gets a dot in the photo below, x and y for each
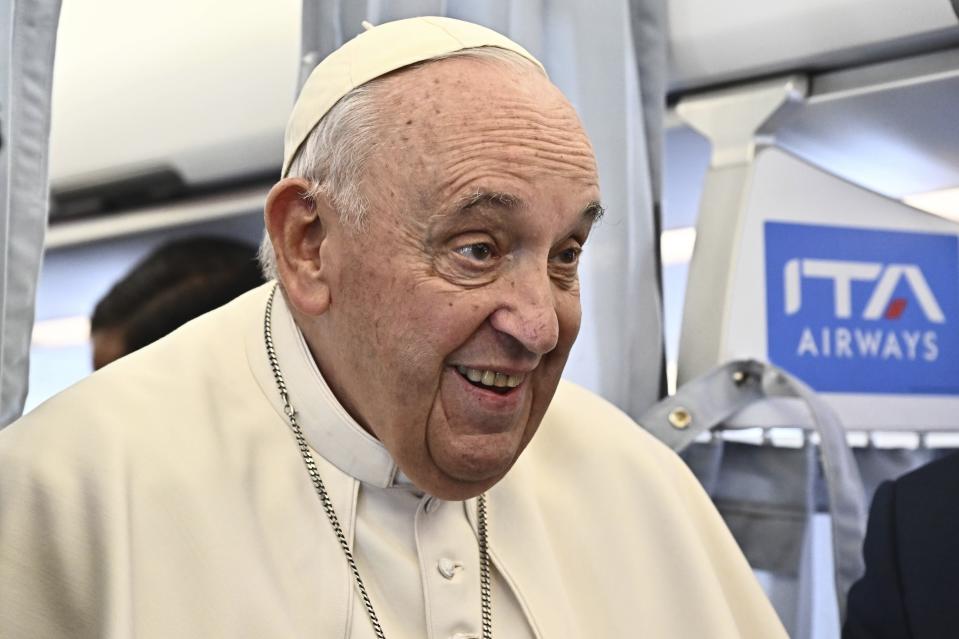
(494, 381)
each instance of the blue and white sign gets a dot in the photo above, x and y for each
(852, 310)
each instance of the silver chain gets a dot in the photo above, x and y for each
(481, 518)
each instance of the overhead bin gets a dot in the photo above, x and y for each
(155, 100)
(719, 42)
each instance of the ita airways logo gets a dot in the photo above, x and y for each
(861, 311)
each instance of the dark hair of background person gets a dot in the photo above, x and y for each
(177, 282)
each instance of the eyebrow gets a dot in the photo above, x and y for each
(490, 198)
(593, 211)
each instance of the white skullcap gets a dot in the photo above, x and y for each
(375, 52)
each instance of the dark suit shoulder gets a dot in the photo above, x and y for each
(927, 523)
(875, 607)
(912, 558)
(936, 483)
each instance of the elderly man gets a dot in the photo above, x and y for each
(438, 193)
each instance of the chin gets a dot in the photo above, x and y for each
(471, 465)
(453, 489)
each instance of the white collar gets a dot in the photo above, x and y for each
(328, 428)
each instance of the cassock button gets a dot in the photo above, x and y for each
(432, 503)
(448, 567)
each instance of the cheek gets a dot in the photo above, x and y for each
(569, 314)
(446, 320)
(414, 327)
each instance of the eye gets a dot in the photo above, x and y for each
(478, 252)
(569, 255)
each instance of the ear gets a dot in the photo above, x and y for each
(299, 226)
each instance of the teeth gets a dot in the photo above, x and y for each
(490, 378)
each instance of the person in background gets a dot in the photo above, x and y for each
(177, 282)
(912, 567)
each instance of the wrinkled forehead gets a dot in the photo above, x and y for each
(462, 122)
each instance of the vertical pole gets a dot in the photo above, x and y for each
(730, 120)
(28, 30)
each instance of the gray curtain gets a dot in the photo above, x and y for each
(590, 50)
(28, 31)
(649, 22)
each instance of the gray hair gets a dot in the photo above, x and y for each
(334, 155)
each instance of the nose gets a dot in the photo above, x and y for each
(528, 313)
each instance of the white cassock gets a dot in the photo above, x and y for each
(165, 497)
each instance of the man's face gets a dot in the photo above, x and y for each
(453, 312)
